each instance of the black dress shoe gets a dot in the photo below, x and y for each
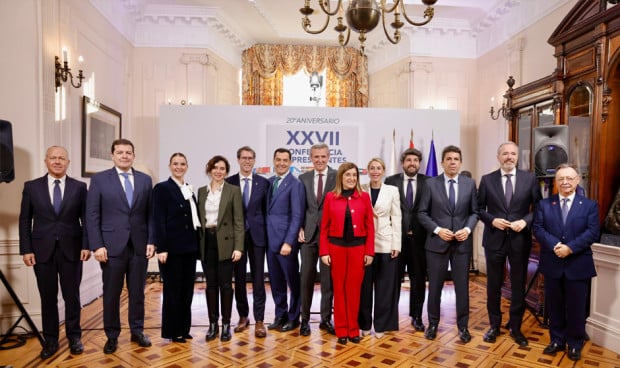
(289, 326)
(553, 348)
(141, 339)
(327, 326)
(110, 345)
(226, 336)
(75, 346)
(180, 339)
(518, 337)
(574, 354)
(188, 337)
(214, 329)
(304, 330)
(416, 322)
(342, 340)
(464, 335)
(49, 350)
(279, 322)
(491, 335)
(355, 339)
(431, 332)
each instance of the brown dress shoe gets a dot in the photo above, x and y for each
(244, 322)
(259, 329)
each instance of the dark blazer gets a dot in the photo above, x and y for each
(172, 220)
(230, 228)
(409, 215)
(314, 209)
(285, 212)
(434, 211)
(579, 232)
(40, 226)
(257, 207)
(492, 204)
(109, 219)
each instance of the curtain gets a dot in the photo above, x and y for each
(265, 65)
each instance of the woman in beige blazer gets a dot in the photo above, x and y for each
(381, 277)
(220, 208)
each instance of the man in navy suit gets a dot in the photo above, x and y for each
(52, 240)
(254, 190)
(317, 183)
(120, 233)
(566, 225)
(285, 215)
(449, 212)
(507, 198)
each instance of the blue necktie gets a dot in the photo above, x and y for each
(508, 191)
(452, 195)
(246, 192)
(564, 209)
(57, 200)
(409, 195)
(128, 188)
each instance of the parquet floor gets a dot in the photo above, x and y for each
(404, 348)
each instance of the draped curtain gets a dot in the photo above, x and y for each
(265, 65)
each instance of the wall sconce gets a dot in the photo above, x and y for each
(63, 72)
(506, 109)
(316, 82)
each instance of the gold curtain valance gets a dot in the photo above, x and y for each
(265, 65)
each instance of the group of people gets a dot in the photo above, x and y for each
(364, 238)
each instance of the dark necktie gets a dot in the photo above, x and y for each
(276, 182)
(319, 189)
(57, 200)
(508, 190)
(564, 209)
(128, 188)
(246, 192)
(409, 195)
(451, 195)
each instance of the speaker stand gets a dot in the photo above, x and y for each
(25, 315)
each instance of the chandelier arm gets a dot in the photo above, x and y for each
(345, 42)
(326, 9)
(305, 24)
(384, 6)
(428, 15)
(396, 38)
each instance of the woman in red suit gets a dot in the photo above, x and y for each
(347, 244)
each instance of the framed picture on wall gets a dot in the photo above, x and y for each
(101, 125)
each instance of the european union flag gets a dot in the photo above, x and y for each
(431, 166)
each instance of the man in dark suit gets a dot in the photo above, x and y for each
(120, 234)
(52, 240)
(254, 189)
(566, 225)
(410, 185)
(506, 199)
(317, 183)
(449, 212)
(285, 214)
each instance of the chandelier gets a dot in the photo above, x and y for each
(363, 16)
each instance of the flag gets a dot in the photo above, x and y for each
(393, 154)
(431, 166)
(411, 140)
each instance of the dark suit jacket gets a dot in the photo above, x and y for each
(174, 230)
(492, 204)
(579, 232)
(434, 211)
(110, 221)
(314, 210)
(285, 212)
(257, 207)
(40, 226)
(409, 215)
(230, 229)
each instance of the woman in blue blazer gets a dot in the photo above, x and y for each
(176, 238)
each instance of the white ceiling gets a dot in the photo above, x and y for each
(228, 26)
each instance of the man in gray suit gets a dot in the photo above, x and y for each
(449, 212)
(316, 182)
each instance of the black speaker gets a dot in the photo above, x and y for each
(550, 148)
(7, 167)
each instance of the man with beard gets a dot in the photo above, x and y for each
(506, 199)
(410, 185)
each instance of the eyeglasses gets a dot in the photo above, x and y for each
(565, 178)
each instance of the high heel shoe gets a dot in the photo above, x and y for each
(225, 332)
(213, 331)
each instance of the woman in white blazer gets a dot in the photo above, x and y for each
(381, 277)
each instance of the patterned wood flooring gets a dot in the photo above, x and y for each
(404, 348)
